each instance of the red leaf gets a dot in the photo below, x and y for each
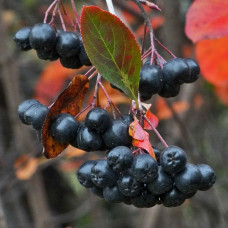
(207, 20)
(69, 101)
(136, 131)
(152, 118)
(144, 144)
(212, 56)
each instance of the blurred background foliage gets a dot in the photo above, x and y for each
(36, 192)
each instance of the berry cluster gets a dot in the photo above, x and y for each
(98, 131)
(143, 182)
(51, 45)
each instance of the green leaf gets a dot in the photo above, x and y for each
(112, 49)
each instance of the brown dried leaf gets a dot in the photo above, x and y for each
(69, 101)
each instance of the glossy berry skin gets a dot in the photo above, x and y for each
(120, 158)
(51, 55)
(42, 37)
(84, 59)
(188, 180)
(157, 153)
(84, 174)
(145, 199)
(128, 119)
(194, 71)
(97, 119)
(68, 44)
(173, 159)
(173, 198)
(22, 39)
(102, 175)
(151, 81)
(113, 195)
(128, 185)
(64, 128)
(24, 106)
(162, 184)
(208, 177)
(144, 168)
(36, 115)
(88, 140)
(72, 62)
(117, 134)
(97, 191)
(175, 71)
(169, 90)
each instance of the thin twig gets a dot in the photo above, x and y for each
(166, 49)
(62, 21)
(77, 20)
(48, 10)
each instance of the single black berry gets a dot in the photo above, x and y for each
(24, 106)
(128, 119)
(128, 185)
(145, 199)
(84, 59)
(84, 174)
(157, 153)
(117, 134)
(120, 158)
(144, 168)
(173, 198)
(151, 81)
(112, 194)
(102, 175)
(97, 119)
(64, 128)
(72, 62)
(87, 140)
(189, 179)
(173, 159)
(68, 44)
(42, 37)
(194, 71)
(208, 177)
(51, 55)
(22, 38)
(169, 90)
(163, 183)
(36, 115)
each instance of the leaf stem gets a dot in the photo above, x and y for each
(156, 132)
(110, 7)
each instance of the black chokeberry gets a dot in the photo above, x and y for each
(144, 168)
(208, 177)
(42, 37)
(24, 106)
(163, 183)
(72, 62)
(173, 198)
(175, 71)
(117, 134)
(88, 140)
(51, 55)
(120, 158)
(68, 44)
(157, 153)
(189, 179)
(113, 195)
(194, 71)
(169, 90)
(36, 115)
(64, 128)
(22, 38)
(151, 81)
(102, 175)
(145, 199)
(84, 59)
(128, 119)
(128, 185)
(84, 174)
(173, 159)
(97, 119)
